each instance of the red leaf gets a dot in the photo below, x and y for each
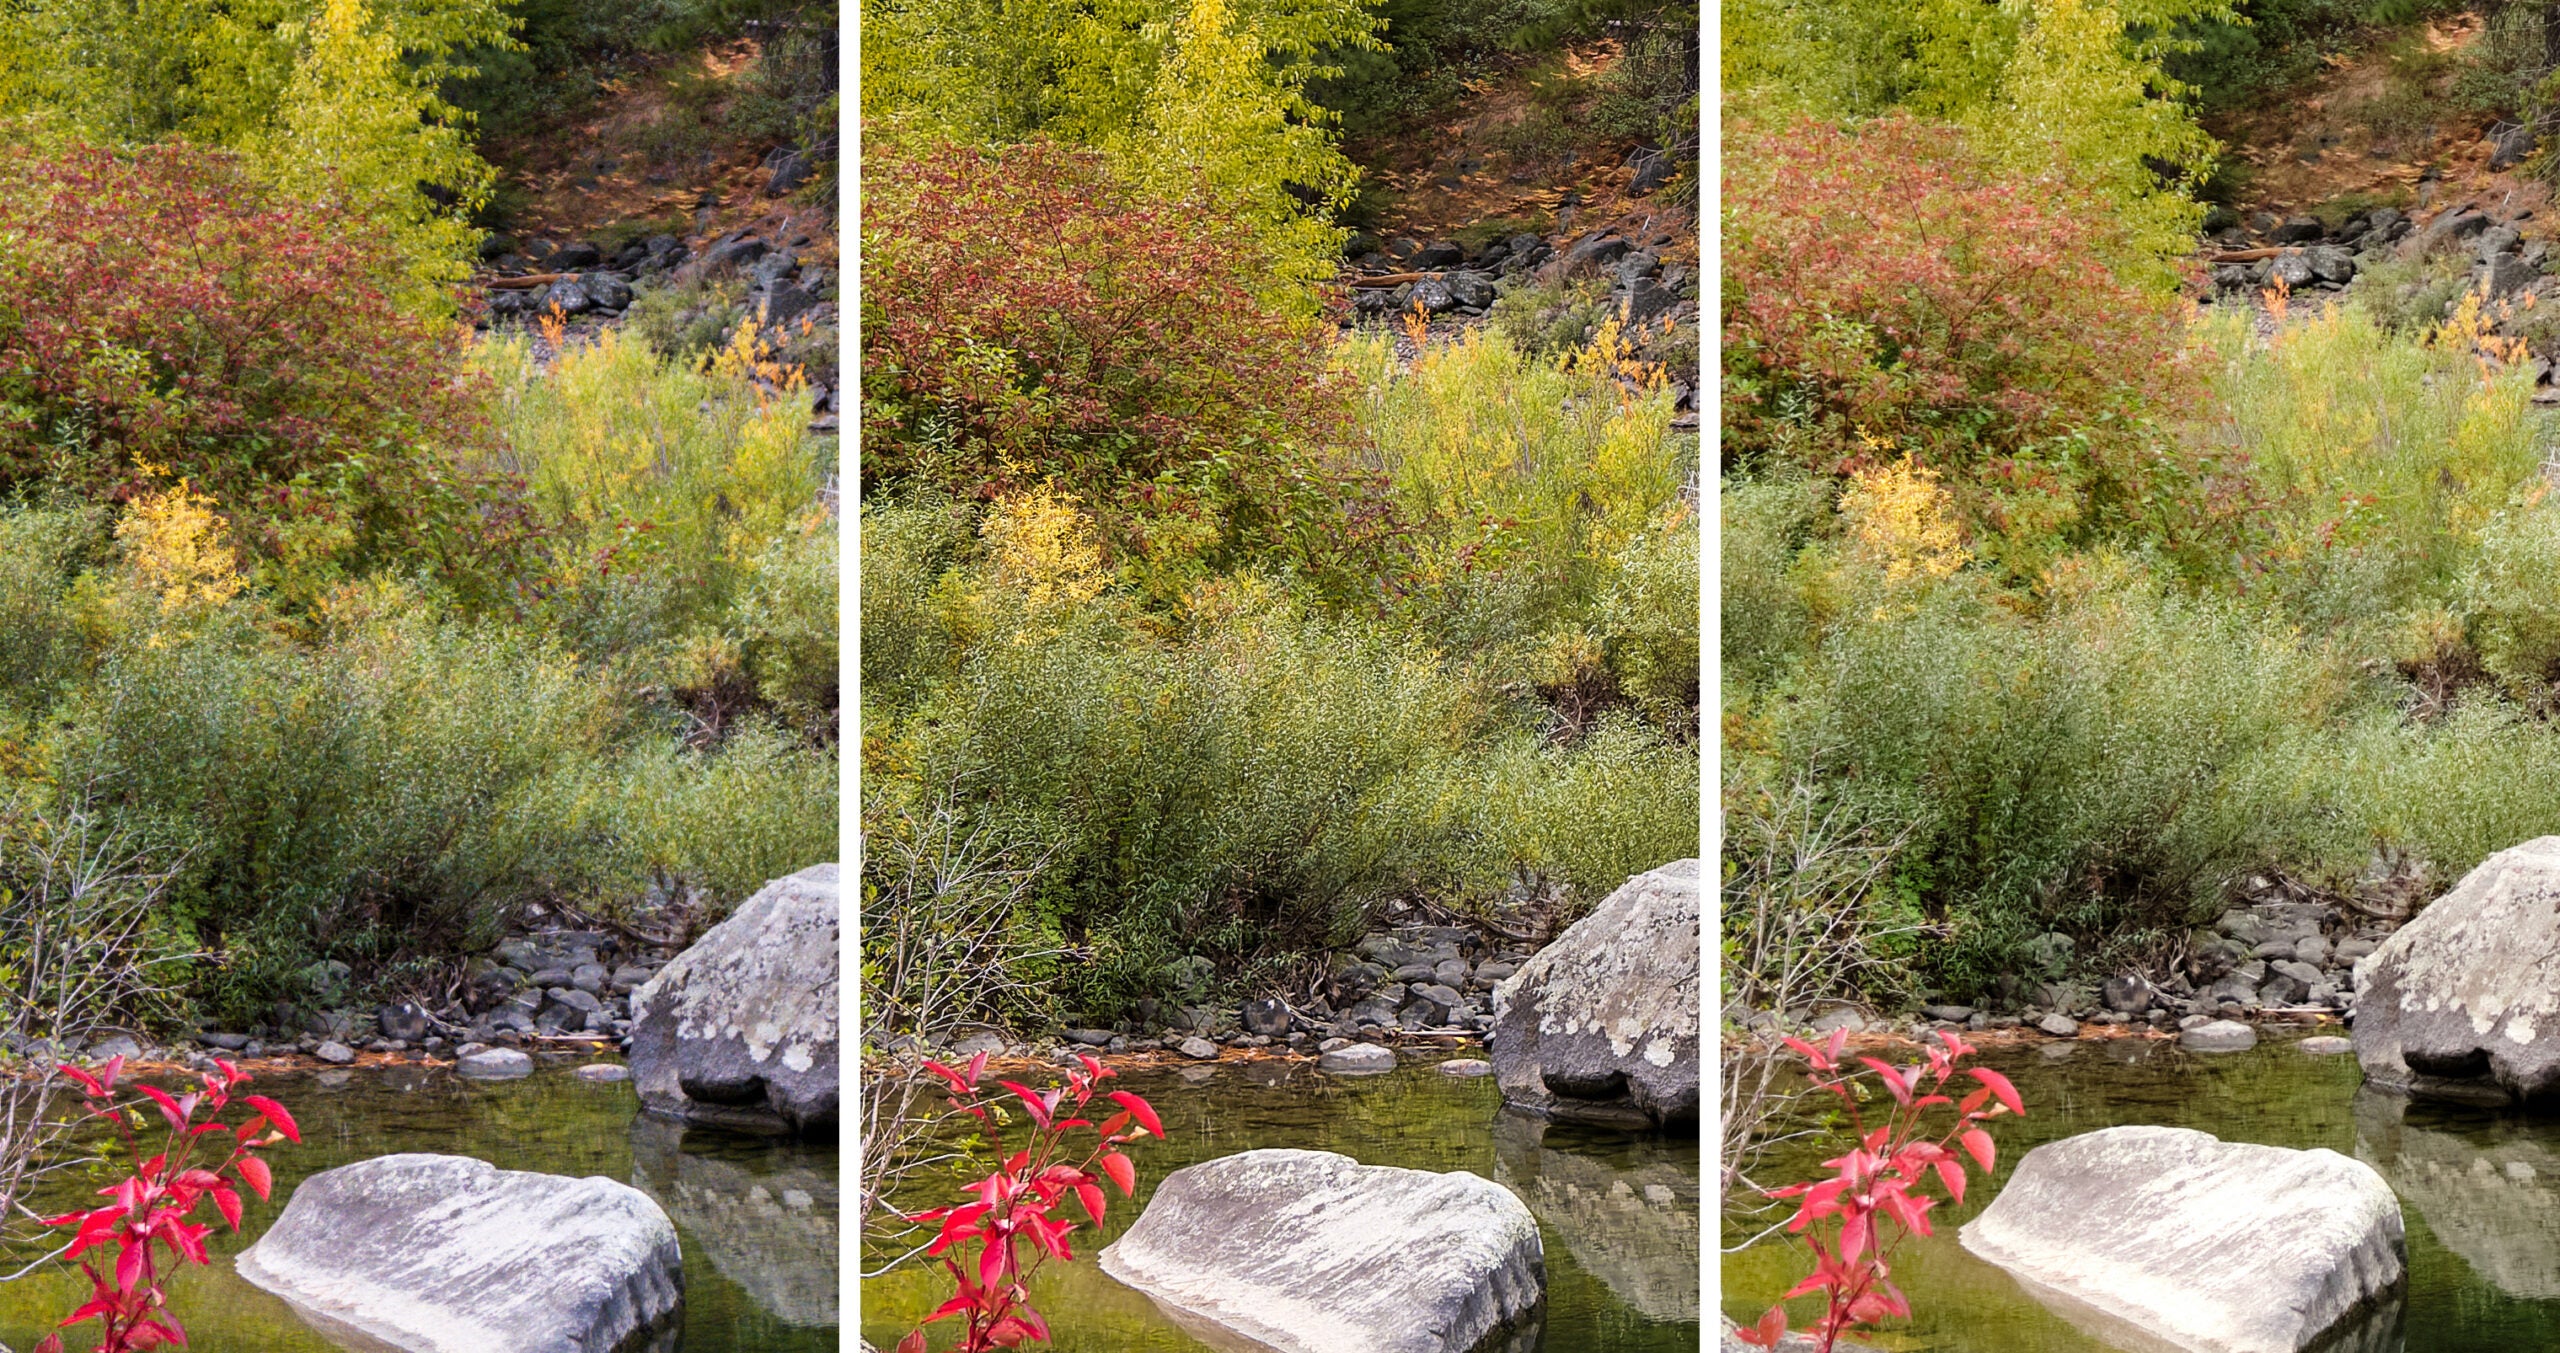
(2000, 1087)
(275, 1114)
(1139, 1108)
(170, 1111)
(913, 1343)
(1977, 1144)
(1771, 1328)
(1039, 1108)
(253, 1172)
(1121, 1171)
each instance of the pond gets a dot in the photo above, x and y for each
(2480, 1192)
(1619, 1213)
(757, 1219)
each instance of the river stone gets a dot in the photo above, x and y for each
(494, 1064)
(334, 1053)
(740, 1030)
(2213, 1246)
(1602, 1024)
(2326, 1045)
(1465, 1067)
(1313, 1252)
(1267, 1016)
(433, 1254)
(1198, 1049)
(1358, 1059)
(603, 1072)
(2222, 1035)
(2059, 1025)
(2460, 1002)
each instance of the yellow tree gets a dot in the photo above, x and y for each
(355, 129)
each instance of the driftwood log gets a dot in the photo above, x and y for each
(532, 280)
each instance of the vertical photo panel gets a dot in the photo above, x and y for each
(419, 714)
(1279, 602)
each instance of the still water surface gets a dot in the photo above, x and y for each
(2480, 1192)
(1619, 1213)
(757, 1219)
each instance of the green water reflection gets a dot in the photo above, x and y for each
(2480, 1192)
(758, 1220)
(1619, 1213)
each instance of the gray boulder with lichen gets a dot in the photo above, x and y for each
(740, 1030)
(1602, 1024)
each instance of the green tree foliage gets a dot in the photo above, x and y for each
(1208, 92)
(311, 89)
(2078, 83)
(354, 109)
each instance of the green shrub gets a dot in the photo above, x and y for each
(686, 318)
(2104, 771)
(382, 796)
(1246, 796)
(666, 489)
(2411, 295)
(42, 648)
(786, 618)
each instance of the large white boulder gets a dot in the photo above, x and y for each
(2464, 1001)
(740, 1030)
(446, 1254)
(1312, 1252)
(2195, 1242)
(1602, 1024)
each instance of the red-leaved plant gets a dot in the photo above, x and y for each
(150, 1207)
(1873, 1199)
(1015, 1201)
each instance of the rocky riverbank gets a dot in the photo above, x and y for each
(2280, 955)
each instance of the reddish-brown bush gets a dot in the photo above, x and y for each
(1027, 317)
(164, 314)
(1887, 291)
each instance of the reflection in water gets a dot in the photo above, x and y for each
(763, 1213)
(1612, 1296)
(549, 1122)
(2488, 1184)
(1614, 1201)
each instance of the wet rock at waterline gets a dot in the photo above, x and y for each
(1358, 1059)
(2221, 1035)
(2211, 1246)
(493, 1064)
(1602, 1024)
(1312, 1252)
(766, 1219)
(2460, 1003)
(1629, 1217)
(445, 1254)
(740, 1029)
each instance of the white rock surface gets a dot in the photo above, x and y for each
(2462, 1002)
(740, 1030)
(1602, 1024)
(446, 1254)
(1312, 1252)
(2206, 1245)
